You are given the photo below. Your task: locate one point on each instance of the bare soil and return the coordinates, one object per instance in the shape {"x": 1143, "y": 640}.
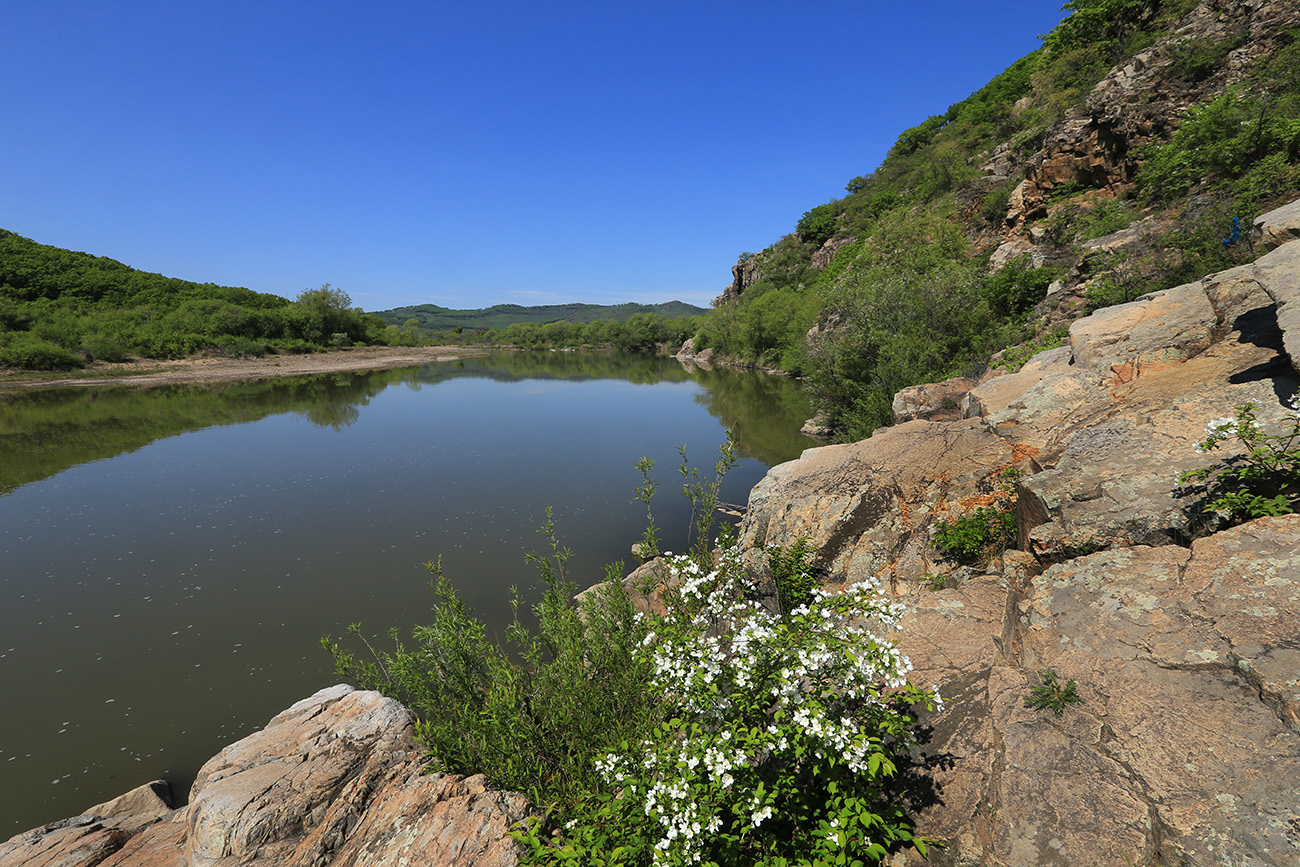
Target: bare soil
{"x": 220, "y": 369}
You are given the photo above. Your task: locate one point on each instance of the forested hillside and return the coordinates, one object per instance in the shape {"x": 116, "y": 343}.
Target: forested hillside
{"x": 1127, "y": 154}
{"x": 627, "y": 327}
{"x": 431, "y": 317}
{"x": 60, "y": 309}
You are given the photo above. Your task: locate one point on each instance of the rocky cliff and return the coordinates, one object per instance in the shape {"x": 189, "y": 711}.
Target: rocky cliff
{"x": 1184, "y": 642}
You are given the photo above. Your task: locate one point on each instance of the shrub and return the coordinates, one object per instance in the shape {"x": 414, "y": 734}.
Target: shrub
{"x": 1265, "y": 480}
{"x": 1053, "y": 694}
{"x": 32, "y": 353}
{"x": 104, "y": 348}
{"x": 1197, "y": 59}
{"x": 718, "y": 732}
{"x": 1018, "y": 286}
{"x": 241, "y": 346}
{"x": 792, "y": 573}
{"x": 780, "y": 740}
{"x": 973, "y": 537}
{"x": 534, "y": 715}
{"x": 818, "y": 225}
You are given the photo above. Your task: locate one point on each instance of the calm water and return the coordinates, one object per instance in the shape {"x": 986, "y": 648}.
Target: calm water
{"x": 169, "y": 558}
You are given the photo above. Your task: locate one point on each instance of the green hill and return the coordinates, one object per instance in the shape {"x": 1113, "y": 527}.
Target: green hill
{"x": 431, "y": 317}
{"x": 60, "y": 309}
{"x": 1110, "y": 162}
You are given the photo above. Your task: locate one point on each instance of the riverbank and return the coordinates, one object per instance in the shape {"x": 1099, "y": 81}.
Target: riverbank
{"x": 147, "y": 372}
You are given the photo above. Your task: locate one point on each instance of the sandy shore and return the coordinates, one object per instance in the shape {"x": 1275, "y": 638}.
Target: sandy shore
{"x": 150, "y": 372}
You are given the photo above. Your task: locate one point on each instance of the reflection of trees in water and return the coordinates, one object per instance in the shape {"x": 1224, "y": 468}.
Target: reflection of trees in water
{"x": 765, "y": 412}
{"x": 45, "y": 432}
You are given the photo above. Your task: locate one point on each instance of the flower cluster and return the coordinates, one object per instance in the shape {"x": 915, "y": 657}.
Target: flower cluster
{"x": 1262, "y": 480}
{"x": 782, "y": 726}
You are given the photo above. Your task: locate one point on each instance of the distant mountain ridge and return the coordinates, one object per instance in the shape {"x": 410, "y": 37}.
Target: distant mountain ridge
{"x": 435, "y": 318}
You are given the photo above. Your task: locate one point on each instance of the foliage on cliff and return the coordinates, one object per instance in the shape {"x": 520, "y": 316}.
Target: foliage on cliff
{"x": 893, "y": 285}
{"x": 60, "y": 308}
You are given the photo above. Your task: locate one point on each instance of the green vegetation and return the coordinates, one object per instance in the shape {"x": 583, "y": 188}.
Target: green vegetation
{"x": 625, "y": 327}
{"x": 532, "y": 715}
{"x": 1262, "y": 480}
{"x": 1053, "y": 694}
{"x": 902, "y": 292}
{"x": 792, "y": 573}
{"x": 974, "y": 537}
{"x": 60, "y": 309}
{"x": 656, "y": 738}
{"x": 1244, "y": 145}
{"x": 431, "y": 317}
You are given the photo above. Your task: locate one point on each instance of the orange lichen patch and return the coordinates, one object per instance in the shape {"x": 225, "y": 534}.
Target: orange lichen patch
{"x": 889, "y": 572}
{"x": 1126, "y": 372}
{"x": 904, "y": 510}
{"x": 976, "y": 500}
{"x": 1022, "y": 452}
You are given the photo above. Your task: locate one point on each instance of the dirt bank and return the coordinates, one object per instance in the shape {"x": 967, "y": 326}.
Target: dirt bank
{"x": 217, "y": 369}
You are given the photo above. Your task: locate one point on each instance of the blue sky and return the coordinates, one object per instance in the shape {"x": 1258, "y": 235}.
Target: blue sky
{"x": 468, "y": 153}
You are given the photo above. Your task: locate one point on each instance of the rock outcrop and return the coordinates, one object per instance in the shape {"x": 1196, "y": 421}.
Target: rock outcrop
{"x": 1183, "y": 638}
{"x": 1098, "y": 145}
{"x": 336, "y": 780}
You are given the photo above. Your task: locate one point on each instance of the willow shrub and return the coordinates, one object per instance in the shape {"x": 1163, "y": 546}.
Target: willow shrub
{"x": 533, "y": 714}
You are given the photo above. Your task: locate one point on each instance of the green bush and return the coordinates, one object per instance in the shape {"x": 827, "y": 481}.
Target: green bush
{"x": 1264, "y": 480}
{"x": 716, "y": 732}
{"x": 33, "y": 353}
{"x": 534, "y": 715}
{"x": 972, "y": 538}
{"x": 1053, "y": 694}
{"x": 1197, "y": 59}
{"x": 780, "y": 743}
{"x": 1018, "y": 286}
{"x": 241, "y": 347}
{"x": 792, "y": 573}
{"x": 817, "y": 225}
{"x": 104, "y": 348}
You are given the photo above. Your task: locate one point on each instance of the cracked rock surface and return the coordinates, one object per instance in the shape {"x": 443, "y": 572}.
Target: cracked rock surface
{"x": 1182, "y": 638}
{"x": 334, "y": 781}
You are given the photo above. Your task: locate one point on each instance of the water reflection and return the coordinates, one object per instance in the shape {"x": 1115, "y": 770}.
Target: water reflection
{"x": 169, "y": 557}
{"x": 43, "y": 433}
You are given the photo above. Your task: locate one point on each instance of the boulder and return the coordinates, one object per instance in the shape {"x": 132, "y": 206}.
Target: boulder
{"x": 1158, "y": 329}
{"x": 1112, "y": 454}
{"x": 1278, "y": 226}
{"x": 150, "y": 801}
{"x": 82, "y": 841}
{"x": 1279, "y": 274}
{"x": 817, "y": 428}
{"x": 937, "y": 401}
{"x": 88, "y": 839}
{"x": 994, "y": 396}
{"x": 336, "y": 779}
{"x": 868, "y": 507}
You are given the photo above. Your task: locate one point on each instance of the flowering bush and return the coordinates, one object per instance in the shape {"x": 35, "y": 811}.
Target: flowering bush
{"x": 1265, "y": 480}
{"x": 779, "y": 741}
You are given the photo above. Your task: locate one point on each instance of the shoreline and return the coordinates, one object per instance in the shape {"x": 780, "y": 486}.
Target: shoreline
{"x": 200, "y": 369}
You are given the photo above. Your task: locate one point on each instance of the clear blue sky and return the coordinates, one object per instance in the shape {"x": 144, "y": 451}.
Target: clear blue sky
{"x": 466, "y": 153}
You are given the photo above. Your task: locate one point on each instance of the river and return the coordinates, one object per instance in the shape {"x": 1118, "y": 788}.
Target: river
{"x": 170, "y": 557}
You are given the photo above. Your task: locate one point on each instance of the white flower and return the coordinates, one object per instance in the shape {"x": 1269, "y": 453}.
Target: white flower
{"x": 1225, "y": 424}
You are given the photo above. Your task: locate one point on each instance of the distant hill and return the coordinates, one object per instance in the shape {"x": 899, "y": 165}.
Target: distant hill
{"x": 434, "y": 318}
{"x": 60, "y": 309}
